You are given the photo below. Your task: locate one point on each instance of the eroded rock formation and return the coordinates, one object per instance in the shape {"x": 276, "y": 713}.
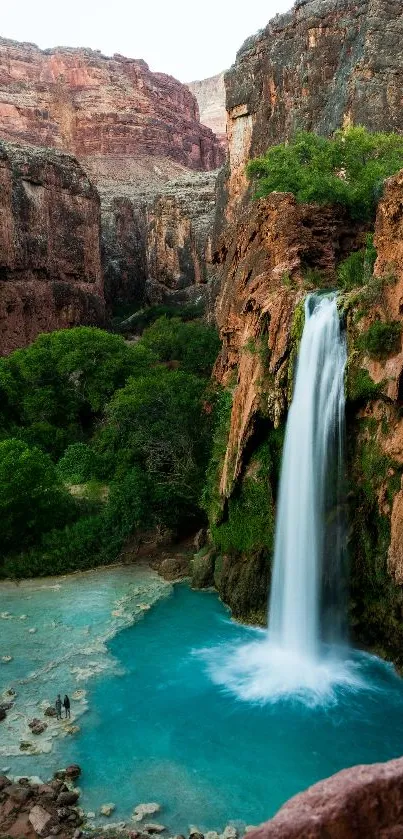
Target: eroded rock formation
{"x": 50, "y": 259}
{"x": 210, "y": 95}
{"x": 81, "y": 101}
{"x": 135, "y": 132}
{"x": 362, "y": 801}
{"x": 319, "y": 67}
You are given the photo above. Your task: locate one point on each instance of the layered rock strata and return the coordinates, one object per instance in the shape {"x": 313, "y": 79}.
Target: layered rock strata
{"x": 50, "y": 256}
{"x": 135, "y": 132}
{"x": 319, "y": 67}
{"x": 81, "y": 101}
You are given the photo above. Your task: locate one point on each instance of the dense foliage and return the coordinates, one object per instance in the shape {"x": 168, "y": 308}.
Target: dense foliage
{"x": 382, "y": 339}
{"x": 100, "y": 440}
{"x": 348, "y": 169}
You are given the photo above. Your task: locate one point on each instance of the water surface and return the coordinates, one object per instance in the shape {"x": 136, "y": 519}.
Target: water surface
{"x": 160, "y": 727}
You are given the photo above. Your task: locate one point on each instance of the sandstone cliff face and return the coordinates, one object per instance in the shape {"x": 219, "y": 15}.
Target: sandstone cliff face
{"x": 50, "y": 260}
{"x": 210, "y": 95}
{"x": 264, "y": 262}
{"x": 133, "y": 131}
{"x": 362, "y": 801}
{"x": 179, "y": 241}
{"x": 83, "y": 102}
{"x": 324, "y": 64}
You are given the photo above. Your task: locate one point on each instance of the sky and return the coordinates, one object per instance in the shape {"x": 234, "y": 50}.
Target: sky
{"x": 189, "y": 40}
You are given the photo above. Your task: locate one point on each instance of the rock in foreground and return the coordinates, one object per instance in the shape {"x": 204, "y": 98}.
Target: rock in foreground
{"x": 364, "y": 801}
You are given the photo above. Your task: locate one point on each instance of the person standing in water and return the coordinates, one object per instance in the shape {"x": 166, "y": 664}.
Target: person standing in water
{"x": 58, "y": 705}
{"x": 66, "y": 703}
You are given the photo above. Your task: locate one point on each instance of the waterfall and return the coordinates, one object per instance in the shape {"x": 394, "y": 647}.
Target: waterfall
{"x": 308, "y": 553}
{"x": 301, "y": 655}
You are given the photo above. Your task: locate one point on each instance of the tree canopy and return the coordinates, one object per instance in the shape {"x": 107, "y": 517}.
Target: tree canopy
{"x": 348, "y": 168}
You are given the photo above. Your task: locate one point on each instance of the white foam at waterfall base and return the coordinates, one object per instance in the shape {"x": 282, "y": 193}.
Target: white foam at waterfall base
{"x": 291, "y": 659}
{"x": 262, "y": 672}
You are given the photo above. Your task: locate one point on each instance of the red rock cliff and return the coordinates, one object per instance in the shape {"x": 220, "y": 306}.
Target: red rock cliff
{"x": 50, "y": 258}
{"x": 83, "y": 102}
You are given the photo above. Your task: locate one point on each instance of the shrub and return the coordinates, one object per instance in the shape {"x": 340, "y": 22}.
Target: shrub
{"x": 382, "y": 339}
{"x": 78, "y": 464}
{"x": 32, "y": 499}
{"x": 348, "y": 168}
{"x": 161, "y": 424}
{"x": 360, "y": 386}
{"x": 357, "y": 269}
{"x": 194, "y": 345}
{"x": 249, "y": 525}
{"x": 125, "y": 320}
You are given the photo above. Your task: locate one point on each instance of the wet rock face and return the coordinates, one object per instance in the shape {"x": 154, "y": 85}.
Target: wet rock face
{"x": 85, "y": 103}
{"x": 362, "y": 801}
{"x": 262, "y": 261}
{"x": 50, "y": 259}
{"x": 324, "y": 64}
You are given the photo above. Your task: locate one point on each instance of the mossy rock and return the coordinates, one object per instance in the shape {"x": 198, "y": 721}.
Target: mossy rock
{"x": 243, "y": 584}
{"x": 202, "y": 569}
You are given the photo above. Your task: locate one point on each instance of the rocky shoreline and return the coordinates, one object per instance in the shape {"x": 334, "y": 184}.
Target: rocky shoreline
{"x": 30, "y": 809}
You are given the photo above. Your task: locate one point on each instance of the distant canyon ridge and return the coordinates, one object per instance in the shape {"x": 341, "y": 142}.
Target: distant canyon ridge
{"x": 136, "y": 137}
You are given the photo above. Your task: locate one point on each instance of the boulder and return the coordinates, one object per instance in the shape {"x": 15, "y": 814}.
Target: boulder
{"x": 4, "y": 782}
{"x": 364, "y": 801}
{"x": 68, "y": 799}
{"x": 50, "y": 712}
{"x": 73, "y": 771}
{"x": 37, "y": 726}
{"x": 2, "y": 714}
{"x": 143, "y": 810}
{"x": 19, "y": 794}
{"x": 152, "y": 827}
{"x": 107, "y": 809}
{"x": 40, "y": 820}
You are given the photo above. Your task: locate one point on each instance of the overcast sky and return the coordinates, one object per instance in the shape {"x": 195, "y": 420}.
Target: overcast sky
{"x": 190, "y": 39}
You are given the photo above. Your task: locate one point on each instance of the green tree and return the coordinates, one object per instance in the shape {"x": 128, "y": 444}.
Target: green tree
{"x": 32, "y": 499}
{"x": 55, "y": 389}
{"x": 161, "y": 424}
{"x": 349, "y": 168}
{"x": 194, "y": 345}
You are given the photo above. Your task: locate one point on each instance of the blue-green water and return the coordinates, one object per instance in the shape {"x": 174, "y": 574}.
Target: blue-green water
{"x": 157, "y": 728}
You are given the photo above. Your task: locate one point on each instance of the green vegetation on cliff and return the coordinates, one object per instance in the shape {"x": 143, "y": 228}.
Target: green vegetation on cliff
{"x": 348, "y": 168}
{"x": 382, "y": 339}
{"x": 376, "y": 602}
{"x": 108, "y": 438}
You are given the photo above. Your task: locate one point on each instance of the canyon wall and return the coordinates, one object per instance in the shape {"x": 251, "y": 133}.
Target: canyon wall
{"x": 50, "y": 256}
{"x": 210, "y": 95}
{"x": 82, "y": 102}
{"x": 136, "y": 133}
{"x": 325, "y": 64}
{"x": 319, "y": 67}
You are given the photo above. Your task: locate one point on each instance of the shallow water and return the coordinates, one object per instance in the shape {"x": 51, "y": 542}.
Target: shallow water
{"x": 158, "y": 726}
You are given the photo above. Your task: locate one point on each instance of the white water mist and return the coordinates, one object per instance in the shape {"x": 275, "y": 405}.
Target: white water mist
{"x": 309, "y": 488}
